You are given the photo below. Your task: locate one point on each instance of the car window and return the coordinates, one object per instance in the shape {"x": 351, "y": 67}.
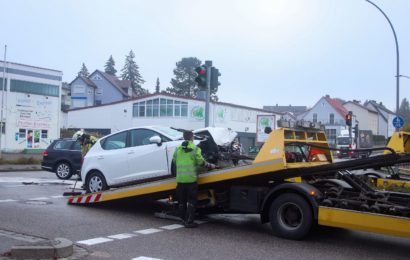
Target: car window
{"x": 141, "y": 136}
{"x": 77, "y": 146}
{"x": 116, "y": 141}
{"x": 63, "y": 145}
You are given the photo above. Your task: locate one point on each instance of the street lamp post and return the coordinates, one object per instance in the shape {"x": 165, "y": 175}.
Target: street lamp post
{"x": 397, "y": 59}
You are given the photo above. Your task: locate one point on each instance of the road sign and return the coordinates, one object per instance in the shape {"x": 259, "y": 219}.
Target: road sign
{"x": 398, "y": 122}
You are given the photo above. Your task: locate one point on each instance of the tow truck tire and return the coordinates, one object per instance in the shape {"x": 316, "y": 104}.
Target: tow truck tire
{"x": 291, "y": 216}
{"x": 63, "y": 171}
{"x": 95, "y": 182}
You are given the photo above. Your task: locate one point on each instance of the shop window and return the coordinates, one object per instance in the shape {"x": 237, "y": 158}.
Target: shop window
{"x": 22, "y": 133}
{"x": 44, "y": 134}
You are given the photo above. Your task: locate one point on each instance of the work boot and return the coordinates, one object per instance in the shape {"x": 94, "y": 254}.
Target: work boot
{"x": 190, "y": 224}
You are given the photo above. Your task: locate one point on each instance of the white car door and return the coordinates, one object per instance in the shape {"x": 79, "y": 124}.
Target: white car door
{"x": 112, "y": 159}
{"x": 146, "y": 160}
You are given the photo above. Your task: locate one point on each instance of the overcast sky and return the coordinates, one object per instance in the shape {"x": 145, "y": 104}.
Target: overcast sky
{"x": 268, "y": 51}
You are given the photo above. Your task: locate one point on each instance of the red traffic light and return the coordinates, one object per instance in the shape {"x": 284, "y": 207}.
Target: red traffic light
{"x": 201, "y": 72}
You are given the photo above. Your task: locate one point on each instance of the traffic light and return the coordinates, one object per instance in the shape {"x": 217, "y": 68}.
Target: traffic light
{"x": 214, "y": 79}
{"x": 349, "y": 119}
{"x": 356, "y": 130}
{"x": 201, "y": 77}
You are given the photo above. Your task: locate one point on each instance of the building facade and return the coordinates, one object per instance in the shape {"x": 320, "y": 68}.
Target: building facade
{"x": 366, "y": 118}
{"x": 385, "y": 118}
{"x": 30, "y": 105}
{"x": 330, "y": 113}
{"x": 168, "y": 110}
{"x": 97, "y": 89}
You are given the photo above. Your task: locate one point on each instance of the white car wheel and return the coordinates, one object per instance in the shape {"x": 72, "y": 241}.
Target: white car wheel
{"x": 96, "y": 183}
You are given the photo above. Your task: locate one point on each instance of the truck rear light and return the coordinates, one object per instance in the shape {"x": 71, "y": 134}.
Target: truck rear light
{"x": 45, "y": 153}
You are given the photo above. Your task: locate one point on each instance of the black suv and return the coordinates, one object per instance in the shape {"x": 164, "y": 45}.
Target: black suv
{"x": 63, "y": 156}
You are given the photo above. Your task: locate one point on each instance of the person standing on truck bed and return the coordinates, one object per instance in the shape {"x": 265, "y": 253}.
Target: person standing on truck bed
{"x": 187, "y": 158}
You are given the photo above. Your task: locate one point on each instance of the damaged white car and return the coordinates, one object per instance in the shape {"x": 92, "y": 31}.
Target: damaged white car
{"x": 145, "y": 154}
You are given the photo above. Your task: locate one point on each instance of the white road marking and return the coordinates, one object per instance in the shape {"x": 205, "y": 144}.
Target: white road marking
{"x": 40, "y": 198}
{"x": 145, "y": 258}
{"x": 148, "y": 231}
{"x": 8, "y": 200}
{"x": 122, "y": 236}
{"x": 94, "y": 241}
{"x": 57, "y": 196}
{"x": 172, "y": 227}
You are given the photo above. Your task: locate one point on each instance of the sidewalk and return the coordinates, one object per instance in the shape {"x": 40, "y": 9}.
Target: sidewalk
{"x": 19, "y": 167}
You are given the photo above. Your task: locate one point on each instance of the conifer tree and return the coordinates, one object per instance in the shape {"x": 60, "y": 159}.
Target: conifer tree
{"x": 130, "y": 72}
{"x": 84, "y": 71}
{"x": 110, "y": 66}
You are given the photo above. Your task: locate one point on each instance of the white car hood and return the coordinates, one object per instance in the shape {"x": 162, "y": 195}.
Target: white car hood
{"x": 222, "y": 136}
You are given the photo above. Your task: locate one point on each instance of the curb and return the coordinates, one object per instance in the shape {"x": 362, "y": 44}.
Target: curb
{"x": 57, "y": 248}
{"x": 20, "y": 167}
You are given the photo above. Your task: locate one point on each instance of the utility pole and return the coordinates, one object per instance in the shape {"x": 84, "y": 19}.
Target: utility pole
{"x": 208, "y": 65}
{"x": 397, "y": 60}
{"x": 2, "y": 99}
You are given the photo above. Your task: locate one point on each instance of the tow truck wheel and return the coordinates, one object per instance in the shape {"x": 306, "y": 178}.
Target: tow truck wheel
{"x": 291, "y": 216}
{"x": 63, "y": 171}
{"x": 95, "y": 182}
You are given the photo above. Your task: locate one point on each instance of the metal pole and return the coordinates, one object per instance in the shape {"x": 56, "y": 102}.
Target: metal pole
{"x": 208, "y": 65}
{"x": 397, "y": 60}
{"x": 2, "y": 99}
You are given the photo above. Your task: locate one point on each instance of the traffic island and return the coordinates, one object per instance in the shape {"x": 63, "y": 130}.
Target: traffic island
{"x": 57, "y": 248}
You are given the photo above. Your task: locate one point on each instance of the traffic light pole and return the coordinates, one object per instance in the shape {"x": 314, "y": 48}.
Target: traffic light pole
{"x": 208, "y": 65}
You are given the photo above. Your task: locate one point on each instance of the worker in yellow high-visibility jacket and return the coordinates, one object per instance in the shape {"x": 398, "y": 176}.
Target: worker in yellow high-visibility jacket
{"x": 188, "y": 158}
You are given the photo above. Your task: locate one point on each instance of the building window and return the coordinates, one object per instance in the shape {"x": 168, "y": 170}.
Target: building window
{"x": 44, "y": 134}
{"x": 34, "y": 88}
{"x": 331, "y": 135}
{"x": 98, "y": 102}
{"x": 160, "y": 107}
{"x": 1, "y": 83}
{"x": 332, "y": 119}
{"x": 90, "y": 91}
{"x": 22, "y": 133}
{"x": 314, "y": 118}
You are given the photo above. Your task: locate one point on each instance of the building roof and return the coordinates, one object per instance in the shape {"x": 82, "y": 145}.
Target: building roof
{"x": 175, "y": 96}
{"x": 283, "y": 109}
{"x": 336, "y": 105}
{"x": 361, "y": 106}
{"x": 86, "y": 81}
{"x": 379, "y": 106}
{"x": 119, "y": 84}
{"x": 20, "y": 64}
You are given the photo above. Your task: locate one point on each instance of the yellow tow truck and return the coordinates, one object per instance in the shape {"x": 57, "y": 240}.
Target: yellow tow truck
{"x": 294, "y": 183}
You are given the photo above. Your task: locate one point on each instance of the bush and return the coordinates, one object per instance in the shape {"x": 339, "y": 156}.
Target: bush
{"x": 22, "y": 160}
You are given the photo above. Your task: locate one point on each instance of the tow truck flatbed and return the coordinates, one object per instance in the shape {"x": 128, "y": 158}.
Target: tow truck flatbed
{"x": 273, "y": 183}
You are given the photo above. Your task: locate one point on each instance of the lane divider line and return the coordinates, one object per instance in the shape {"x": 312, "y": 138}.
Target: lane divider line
{"x": 172, "y": 227}
{"x": 145, "y": 258}
{"x": 122, "y": 236}
{"x": 94, "y": 241}
{"x": 148, "y": 231}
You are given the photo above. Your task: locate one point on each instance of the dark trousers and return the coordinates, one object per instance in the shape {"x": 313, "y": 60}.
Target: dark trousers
{"x": 186, "y": 194}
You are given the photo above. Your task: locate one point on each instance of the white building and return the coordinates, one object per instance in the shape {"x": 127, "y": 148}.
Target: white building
{"x": 31, "y": 106}
{"x": 366, "y": 118}
{"x": 168, "y": 110}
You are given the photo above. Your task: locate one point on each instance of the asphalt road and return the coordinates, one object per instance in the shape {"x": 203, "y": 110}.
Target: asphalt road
{"x": 31, "y": 207}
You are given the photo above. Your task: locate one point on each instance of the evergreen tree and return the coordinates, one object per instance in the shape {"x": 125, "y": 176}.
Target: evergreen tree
{"x": 157, "y": 86}
{"x": 109, "y": 66}
{"x": 404, "y": 110}
{"x": 130, "y": 72}
{"x": 184, "y": 82}
{"x": 84, "y": 71}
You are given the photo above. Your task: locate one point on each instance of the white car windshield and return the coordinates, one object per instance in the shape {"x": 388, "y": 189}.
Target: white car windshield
{"x": 173, "y": 134}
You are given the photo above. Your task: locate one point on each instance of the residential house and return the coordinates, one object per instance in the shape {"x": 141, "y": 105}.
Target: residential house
{"x": 385, "y": 118}
{"x": 97, "y": 89}
{"x": 65, "y": 96}
{"x": 366, "y": 118}
{"x": 289, "y": 113}
{"x": 330, "y": 113}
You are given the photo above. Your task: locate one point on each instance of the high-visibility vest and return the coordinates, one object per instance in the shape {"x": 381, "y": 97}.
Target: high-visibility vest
{"x": 187, "y": 159}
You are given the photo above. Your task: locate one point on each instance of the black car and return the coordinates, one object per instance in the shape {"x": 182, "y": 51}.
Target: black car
{"x": 63, "y": 156}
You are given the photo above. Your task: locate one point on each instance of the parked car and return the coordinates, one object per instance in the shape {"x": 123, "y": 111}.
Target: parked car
{"x": 145, "y": 153}
{"x": 63, "y": 156}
